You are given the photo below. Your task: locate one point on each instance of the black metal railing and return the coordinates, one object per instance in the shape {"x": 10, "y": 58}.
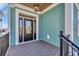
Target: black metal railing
{"x": 4, "y": 43}
{"x": 67, "y": 47}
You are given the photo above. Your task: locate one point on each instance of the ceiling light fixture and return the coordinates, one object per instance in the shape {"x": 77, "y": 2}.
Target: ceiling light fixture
{"x": 36, "y": 7}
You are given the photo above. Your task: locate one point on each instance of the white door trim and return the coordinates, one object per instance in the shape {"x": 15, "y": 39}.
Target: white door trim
{"x": 17, "y": 22}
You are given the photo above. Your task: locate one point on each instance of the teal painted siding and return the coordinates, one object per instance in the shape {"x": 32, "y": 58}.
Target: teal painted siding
{"x": 51, "y": 23}
{"x": 12, "y": 26}
{"x": 75, "y": 25}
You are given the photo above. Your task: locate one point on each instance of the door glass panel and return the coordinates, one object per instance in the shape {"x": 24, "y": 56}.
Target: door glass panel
{"x": 28, "y": 30}
{"x": 28, "y": 27}
{"x": 20, "y": 29}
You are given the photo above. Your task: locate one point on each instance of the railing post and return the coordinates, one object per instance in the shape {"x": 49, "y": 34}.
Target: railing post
{"x": 61, "y": 45}
{"x": 78, "y": 53}
{"x": 67, "y": 46}
{"x": 72, "y": 52}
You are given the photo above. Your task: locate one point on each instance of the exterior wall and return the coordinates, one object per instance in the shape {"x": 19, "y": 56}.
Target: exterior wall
{"x": 51, "y": 23}
{"x": 75, "y": 25}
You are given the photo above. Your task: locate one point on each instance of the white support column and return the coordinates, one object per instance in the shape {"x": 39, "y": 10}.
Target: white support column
{"x": 69, "y": 21}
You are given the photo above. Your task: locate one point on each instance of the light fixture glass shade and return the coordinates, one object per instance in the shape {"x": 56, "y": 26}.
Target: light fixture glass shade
{"x": 36, "y": 9}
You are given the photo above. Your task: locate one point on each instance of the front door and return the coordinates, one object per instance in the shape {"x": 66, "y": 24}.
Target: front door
{"x": 25, "y": 29}
{"x": 28, "y": 29}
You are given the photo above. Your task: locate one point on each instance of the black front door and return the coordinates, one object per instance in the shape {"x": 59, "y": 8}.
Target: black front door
{"x": 25, "y": 29}
{"x": 28, "y": 29}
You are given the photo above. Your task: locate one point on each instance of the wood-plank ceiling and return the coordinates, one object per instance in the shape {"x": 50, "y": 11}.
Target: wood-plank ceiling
{"x": 41, "y": 6}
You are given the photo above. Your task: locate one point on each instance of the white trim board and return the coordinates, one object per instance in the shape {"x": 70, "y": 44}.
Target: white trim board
{"x": 17, "y": 22}
{"x": 31, "y": 10}
{"x": 69, "y": 20}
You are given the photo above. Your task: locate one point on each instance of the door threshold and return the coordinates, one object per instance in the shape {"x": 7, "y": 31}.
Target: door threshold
{"x": 27, "y": 42}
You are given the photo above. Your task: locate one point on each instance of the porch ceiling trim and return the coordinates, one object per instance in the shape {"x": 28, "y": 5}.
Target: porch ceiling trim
{"x": 49, "y": 7}
{"x": 31, "y": 10}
